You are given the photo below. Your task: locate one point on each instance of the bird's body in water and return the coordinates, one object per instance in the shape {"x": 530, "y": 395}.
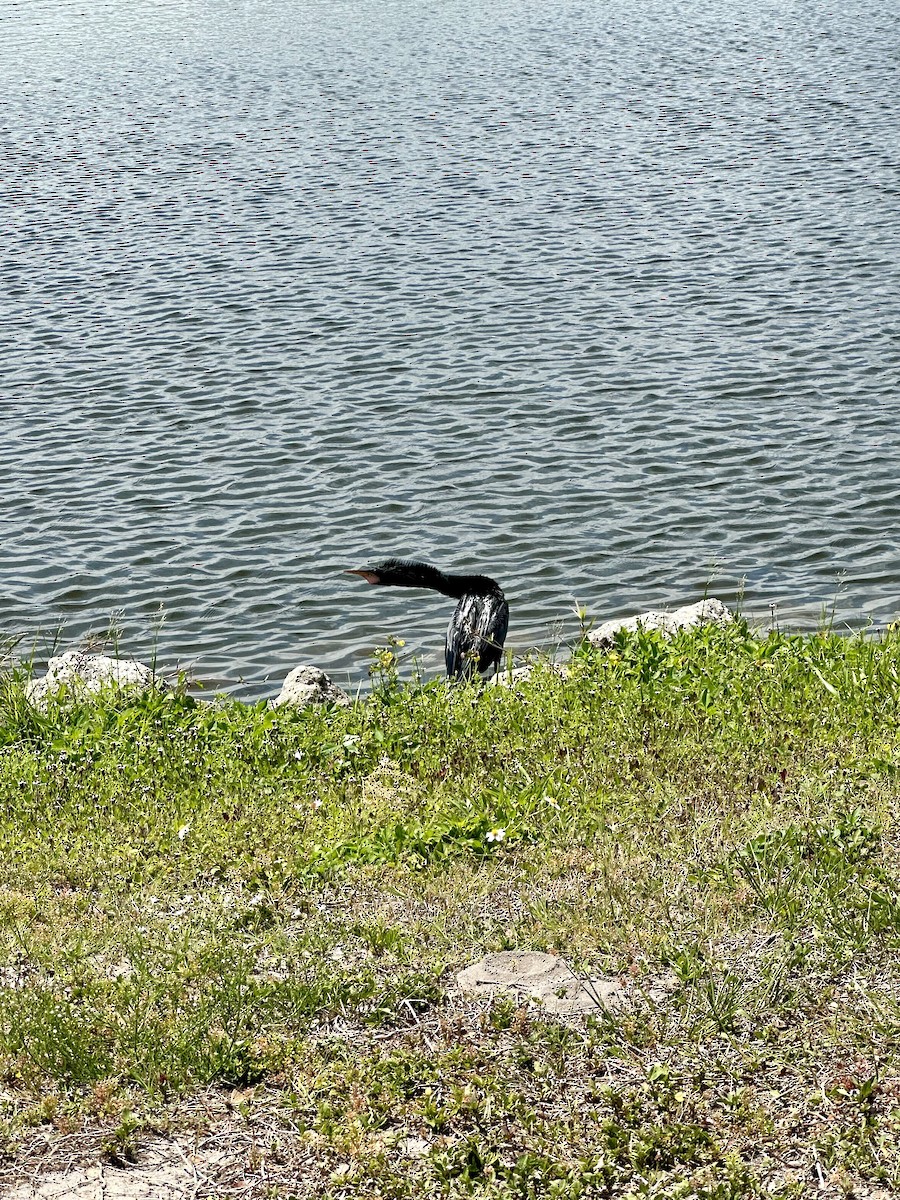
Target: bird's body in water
{"x": 477, "y": 629}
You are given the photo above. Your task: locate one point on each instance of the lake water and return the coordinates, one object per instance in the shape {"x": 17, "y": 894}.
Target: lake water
{"x": 602, "y": 300}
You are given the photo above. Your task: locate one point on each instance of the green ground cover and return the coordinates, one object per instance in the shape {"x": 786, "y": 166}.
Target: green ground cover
{"x": 274, "y": 903}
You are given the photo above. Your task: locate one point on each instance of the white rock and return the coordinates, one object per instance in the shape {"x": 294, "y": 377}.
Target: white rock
{"x": 704, "y": 612}
{"x": 84, "y": 673}
{"x": 542, "y": 977}
{"x": 507, "y": 678}
{"x": 308, "y": 685}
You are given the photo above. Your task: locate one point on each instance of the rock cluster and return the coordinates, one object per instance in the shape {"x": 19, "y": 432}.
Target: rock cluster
{"x": 82, "y": 673}
{"x": 308, "y": 685}
{"x": 668, "y": 623}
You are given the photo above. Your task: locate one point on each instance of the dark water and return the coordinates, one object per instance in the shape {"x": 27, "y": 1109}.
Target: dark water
{"x": 600, "y": 299}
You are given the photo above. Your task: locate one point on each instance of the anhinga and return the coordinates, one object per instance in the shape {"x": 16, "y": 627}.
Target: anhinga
{"x": 477, "y": 629}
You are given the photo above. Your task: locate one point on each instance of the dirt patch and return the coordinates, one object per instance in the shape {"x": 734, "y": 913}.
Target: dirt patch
{"x": 210, "y": 1150}
{"x": 166, "y": 1170}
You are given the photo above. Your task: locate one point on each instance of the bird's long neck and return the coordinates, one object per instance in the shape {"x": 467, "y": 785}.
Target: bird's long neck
{"x": 469, "y": 585}
{"x": 406, "y": 573}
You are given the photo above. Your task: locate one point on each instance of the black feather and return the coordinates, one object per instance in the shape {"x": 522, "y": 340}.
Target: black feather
{"x": 476, "y": 634}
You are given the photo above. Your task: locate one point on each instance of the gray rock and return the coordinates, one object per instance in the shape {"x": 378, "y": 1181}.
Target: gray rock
{"x": 308, "y": 685}
{"x": 542, "y": 977}
{"x": 704, "y": 612}
{"x": 83, "y": 673}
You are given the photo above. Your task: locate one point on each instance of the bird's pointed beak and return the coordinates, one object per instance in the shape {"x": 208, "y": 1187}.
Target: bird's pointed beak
{"x": 368, "y": 576}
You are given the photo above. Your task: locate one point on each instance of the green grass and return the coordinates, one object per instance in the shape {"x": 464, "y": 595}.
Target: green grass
{"x": 218, "y": 894}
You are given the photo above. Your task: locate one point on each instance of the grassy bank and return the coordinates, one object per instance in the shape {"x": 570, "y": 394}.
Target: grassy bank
{"x": 272, "y": 904}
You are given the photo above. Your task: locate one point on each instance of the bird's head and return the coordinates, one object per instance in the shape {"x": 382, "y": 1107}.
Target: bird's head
{"x": 399, "y": 572}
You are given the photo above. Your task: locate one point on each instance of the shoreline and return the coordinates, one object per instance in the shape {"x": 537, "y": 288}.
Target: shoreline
{"x": 362, "y": 688}
{"x": 795, "y": 619}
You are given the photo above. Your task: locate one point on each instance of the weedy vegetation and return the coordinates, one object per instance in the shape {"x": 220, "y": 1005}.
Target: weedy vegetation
{"x": 270, "y": 905}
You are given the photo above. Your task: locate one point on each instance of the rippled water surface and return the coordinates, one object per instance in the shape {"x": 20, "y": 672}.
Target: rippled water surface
{"x": 600, "y": 299}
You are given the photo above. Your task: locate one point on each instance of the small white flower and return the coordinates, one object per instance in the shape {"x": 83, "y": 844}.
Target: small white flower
{"x": 495, "y": 835}
{"x": 298, "y": 754}
{"x": 183, "y": 832}
{"x": 317, "y": 803}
